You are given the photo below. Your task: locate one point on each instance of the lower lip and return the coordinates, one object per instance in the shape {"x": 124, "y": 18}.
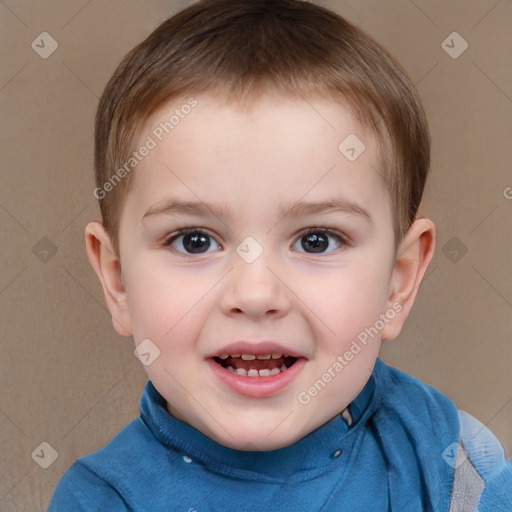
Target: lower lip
{"x": 257, "y": 387}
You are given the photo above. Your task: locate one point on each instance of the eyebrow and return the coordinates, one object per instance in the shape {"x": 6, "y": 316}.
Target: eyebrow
{"x": 300, "y": 208}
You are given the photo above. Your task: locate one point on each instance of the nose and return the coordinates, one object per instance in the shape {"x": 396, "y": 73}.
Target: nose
{"x": 256, "y": 290}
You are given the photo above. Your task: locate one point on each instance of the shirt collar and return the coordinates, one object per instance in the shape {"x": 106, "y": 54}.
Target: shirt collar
{"x": 313, "y": 451}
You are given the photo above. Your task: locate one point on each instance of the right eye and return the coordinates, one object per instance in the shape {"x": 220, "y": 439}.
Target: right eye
{"x": 190, "y": 241}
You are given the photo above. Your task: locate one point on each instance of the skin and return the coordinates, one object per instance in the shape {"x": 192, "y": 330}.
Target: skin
{"x": 277, "y": 149}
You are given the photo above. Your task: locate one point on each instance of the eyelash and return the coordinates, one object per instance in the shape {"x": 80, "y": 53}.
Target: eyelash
{"x": 316, "y": 230}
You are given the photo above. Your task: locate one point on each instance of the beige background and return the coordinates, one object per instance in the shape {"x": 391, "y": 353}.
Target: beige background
{"x": 68, "y": 379}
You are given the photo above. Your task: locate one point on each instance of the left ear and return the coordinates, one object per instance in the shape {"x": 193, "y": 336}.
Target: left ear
{"x": 412, "y": 260}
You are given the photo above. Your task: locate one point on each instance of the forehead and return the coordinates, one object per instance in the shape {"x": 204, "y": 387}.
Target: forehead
{"x": 273, "y": 150}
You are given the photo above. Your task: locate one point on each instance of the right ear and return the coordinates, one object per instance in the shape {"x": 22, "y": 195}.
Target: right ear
{"x": 107, "y": 267}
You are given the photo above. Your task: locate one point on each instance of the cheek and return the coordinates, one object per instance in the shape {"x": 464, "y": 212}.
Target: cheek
{"x": 342, "y": 303}
{"x": 164, "y": 302}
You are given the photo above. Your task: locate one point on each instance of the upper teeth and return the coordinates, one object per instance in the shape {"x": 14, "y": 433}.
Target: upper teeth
{"x": 250, "y": 357}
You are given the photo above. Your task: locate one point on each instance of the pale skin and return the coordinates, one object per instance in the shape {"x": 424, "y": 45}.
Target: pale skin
{"x": 280, "y": 150}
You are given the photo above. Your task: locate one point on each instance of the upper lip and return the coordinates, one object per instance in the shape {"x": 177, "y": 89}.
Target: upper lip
{"x": 256, "y": 348}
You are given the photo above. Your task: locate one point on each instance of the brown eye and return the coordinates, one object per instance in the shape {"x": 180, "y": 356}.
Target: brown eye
{"x": 317, "y": 241}
{"x": 190, "y": 241}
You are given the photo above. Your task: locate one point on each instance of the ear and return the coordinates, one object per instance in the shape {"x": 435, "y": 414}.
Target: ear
{"x": 108, "y": 269}
{"x": 412, "y": 260}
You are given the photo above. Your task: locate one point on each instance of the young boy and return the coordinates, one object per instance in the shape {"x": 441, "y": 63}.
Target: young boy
{"x": 259, "y": 167}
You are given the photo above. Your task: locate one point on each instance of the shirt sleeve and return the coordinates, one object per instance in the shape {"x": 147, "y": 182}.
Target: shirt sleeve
{"x": 487, "y": 457}
{"x": 81, "y": 490}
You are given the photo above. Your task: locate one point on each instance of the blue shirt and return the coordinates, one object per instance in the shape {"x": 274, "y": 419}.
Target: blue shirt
{"x": 402, "y": 451}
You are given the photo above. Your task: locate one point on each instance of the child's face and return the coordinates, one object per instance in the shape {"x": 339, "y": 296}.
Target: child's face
{"x": 311, "y": 296}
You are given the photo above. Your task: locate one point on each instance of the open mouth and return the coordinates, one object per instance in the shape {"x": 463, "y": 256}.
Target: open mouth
{"x": 252, "y": 365}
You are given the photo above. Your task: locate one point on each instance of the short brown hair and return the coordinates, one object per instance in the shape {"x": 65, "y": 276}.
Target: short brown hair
{"x": 241, "y": 48}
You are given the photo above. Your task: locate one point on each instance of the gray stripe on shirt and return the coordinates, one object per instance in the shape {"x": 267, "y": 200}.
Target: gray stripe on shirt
{"x": 467, "y": 484}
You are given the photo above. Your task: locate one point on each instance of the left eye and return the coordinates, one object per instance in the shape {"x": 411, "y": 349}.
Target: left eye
{"x": 317, "y": 240}
{"x": 191, "y": 240}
